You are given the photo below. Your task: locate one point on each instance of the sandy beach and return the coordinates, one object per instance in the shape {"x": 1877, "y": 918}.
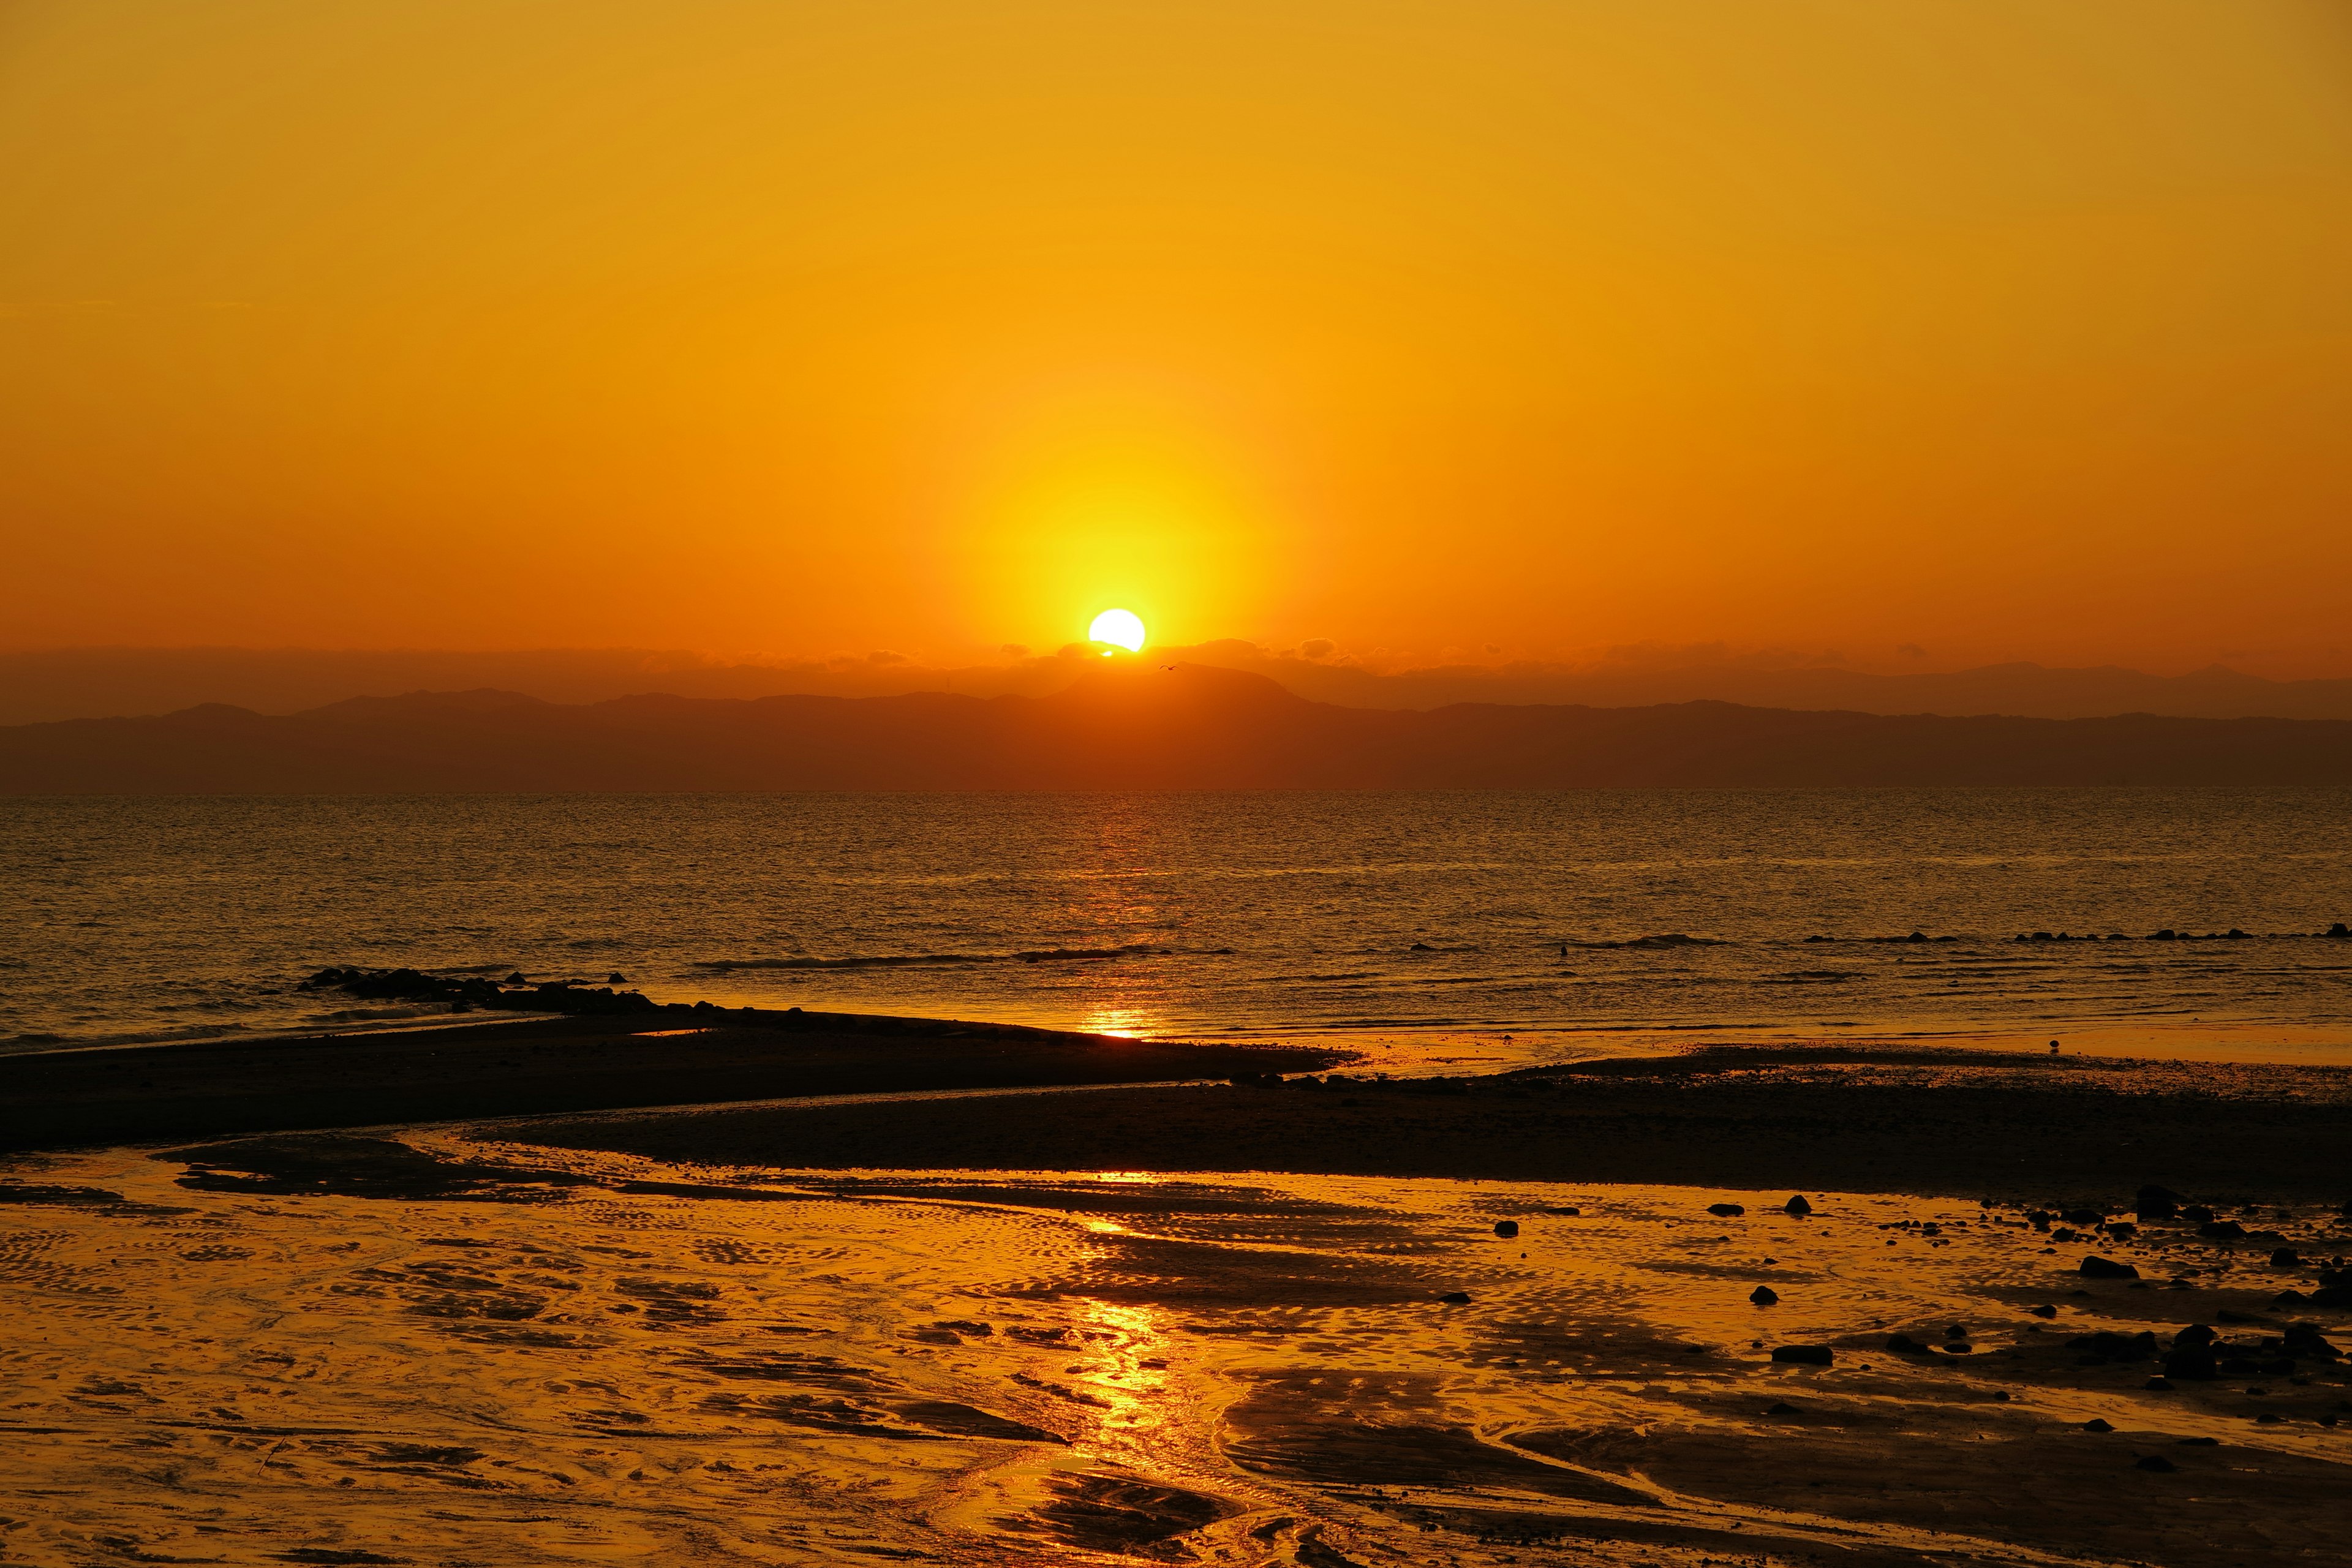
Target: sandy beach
{"x": 1562, "y": 1315}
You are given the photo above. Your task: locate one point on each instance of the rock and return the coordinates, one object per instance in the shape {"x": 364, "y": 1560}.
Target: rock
{"x": 2196, "y": 1214}
{"x": 2121, "y": 1229}
{"x": 1764, "y": 1295}
{"x": 2191, "y": 1363}
{"x": 2157, "y": 1463}
{"x": 2044, "y": 1311}
{"x": 2200, "y": 1443}
{"x": 2220, "y": 1230}
{"x": 2285, "y": 1258}
{"x": 1904, "y": 1344}
{"x": 1783, "y": 1408}
{"x": 1798, "y": 1205}
{"x": 1568, "y": 1213}
{"x": 1956, "y": 1331}
{"x": 1455, "y": 1297}
{"x": 616, "y": 978}
{"x": 1506, "y": 1229}
{"x": 2305, "y": 1339}
{"x": 2097, "y": 1267}
{"x": 2096, "y": 1425}
{"x": 1727, "y": 1210}
{"x": 2339, "y": 931}
{"x": 2157, "y": 1385}
{"x": 516, "y": 979}
{"x": 1803, "y": 1355}
{"x": 2157, "y": 1202}
{"x": 2039, "y": 1218}
{"x": 2195, "y": 1334}
{"x": 2083, "y": 1216}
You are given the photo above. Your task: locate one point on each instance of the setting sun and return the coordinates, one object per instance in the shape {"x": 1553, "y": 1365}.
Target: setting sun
{"x": 1120, "y": 628}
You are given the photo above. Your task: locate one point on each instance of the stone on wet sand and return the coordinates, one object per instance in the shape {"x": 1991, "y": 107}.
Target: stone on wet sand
{"x": 1506, "y": 1229}
{"x": 1803, "y": 1355}
{"x": 1726, "y": 1211}
{"x": 1764, "y": 1295}
{"x": 2097, "y": 1267}
{"x": 1797, "y": 1206}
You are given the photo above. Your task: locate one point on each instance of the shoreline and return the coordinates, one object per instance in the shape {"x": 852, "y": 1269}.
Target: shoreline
{"x": 2015, "y": 1129}
{"x": 708, "y": 1085}
{"x": 539, "y": 1066}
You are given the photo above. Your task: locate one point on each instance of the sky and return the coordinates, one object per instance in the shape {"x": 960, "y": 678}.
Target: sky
{"x": 1910, "y": 335}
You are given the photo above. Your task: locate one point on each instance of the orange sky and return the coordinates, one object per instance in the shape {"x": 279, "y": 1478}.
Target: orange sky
{"x": 2004, "y": 330}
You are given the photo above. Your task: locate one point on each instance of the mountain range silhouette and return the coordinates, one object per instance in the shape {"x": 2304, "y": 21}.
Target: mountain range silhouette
{"x": 1134, "y": 725}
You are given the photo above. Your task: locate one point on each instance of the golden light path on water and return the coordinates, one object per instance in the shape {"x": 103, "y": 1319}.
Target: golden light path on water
{"x": 348, "y": 1350}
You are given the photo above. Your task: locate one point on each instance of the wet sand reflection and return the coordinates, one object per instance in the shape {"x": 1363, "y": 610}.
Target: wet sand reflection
{"x": 338, "y": 1350}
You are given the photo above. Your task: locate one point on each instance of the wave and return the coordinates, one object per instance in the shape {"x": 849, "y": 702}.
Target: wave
{"x": 31, "y": 1041}
{"x": 893, "y": 961}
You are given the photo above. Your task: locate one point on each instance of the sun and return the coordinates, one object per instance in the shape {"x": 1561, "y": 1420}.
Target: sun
{"x": 1120, "y": 628}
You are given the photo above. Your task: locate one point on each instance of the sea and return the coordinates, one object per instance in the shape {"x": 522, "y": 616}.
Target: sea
{"x": 1464, "y": 931}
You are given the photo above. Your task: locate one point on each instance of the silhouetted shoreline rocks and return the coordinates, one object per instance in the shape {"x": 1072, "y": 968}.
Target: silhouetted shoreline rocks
{"x": 466, "y": 995}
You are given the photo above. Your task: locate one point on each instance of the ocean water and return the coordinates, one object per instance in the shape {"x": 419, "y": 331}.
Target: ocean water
{"x": 1427, "y": 927}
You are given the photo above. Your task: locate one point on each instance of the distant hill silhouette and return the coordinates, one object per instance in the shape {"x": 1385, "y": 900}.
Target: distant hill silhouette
{"x": 38, "y": 685}
{"x": 1137, "y": 725}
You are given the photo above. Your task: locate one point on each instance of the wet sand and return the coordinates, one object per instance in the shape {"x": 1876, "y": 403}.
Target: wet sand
{"x": 677, "y": 1056}
{"x": 1267, "y": 1323}
{"x": 2019, "y": 1128}
{"x": 442, "y": 1350}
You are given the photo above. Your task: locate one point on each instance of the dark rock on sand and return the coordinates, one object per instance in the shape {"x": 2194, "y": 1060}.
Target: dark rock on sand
{"x": 1455, "y": 1297}
{"x": 2285, "y": 1258}
{"x": 1803, "y": 1355}
{"x": 1764, "y": 1295}
{"x": 2304, "y": 1339}
{"x": 2044, "y": 1311}
{"x": 1798, "y": 1205}
{"x": 1904, "y": 1344}
{"x": 2097, "y": 1267}
{"x": 2191, "y": 1364}
{"x": 2157, "y": 1463}
{"x": 2220, "y": 1230}
{"x": 1726, "y": 1211}
{"x": 1783, "y": 1408}
{"x": 2096, "y": 1425}
{"x": 2083, "y": 1216}
{"x": 1506, "y": 1229}
{"x": 2157, "y": 1202}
